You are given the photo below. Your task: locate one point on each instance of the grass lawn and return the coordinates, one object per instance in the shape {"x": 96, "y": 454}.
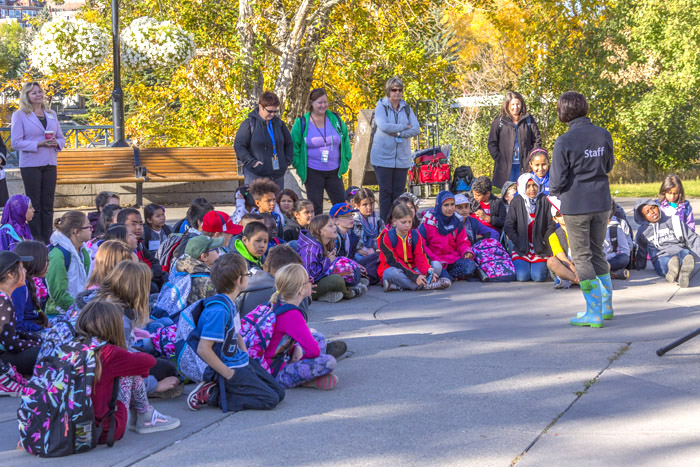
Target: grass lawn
{"x": 651, "y": 190}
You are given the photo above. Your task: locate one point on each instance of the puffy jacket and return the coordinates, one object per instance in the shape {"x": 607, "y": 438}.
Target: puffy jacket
{"x": 314, "y": 260}
{"x": 386, "y": 152}
{"x": 683, "y": 210}
{"x": 502, "y": 142}
{"x": 444, "y": 248}
{"x": 301, "y": 151}
{"x": 661, "y": 238}
{"x": 407, "y": 254}
{"x": 256, "y": 145}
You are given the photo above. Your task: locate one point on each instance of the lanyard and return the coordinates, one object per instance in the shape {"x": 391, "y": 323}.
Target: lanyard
{"x": 323, "y": 135}
{"x": 272, "y": 137}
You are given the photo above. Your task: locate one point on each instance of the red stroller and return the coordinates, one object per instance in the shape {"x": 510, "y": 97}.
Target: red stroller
{"x": 431, "y": 165}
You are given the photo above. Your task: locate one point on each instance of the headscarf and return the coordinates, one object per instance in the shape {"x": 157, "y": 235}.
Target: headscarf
{"x": 15, "y": 214}
{"x": 530, "y": 204}
{"x": 446, "y": 225}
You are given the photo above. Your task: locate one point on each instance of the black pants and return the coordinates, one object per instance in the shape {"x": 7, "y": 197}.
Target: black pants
{"x": 251, "y": 387}
{"x": 4, "y": 195}
{"x": 24, "y": 361}
{"x": 392, "y": 184}
{"x": 319, "y": 180}
{"x": 40, "y": 187}
{"x": 250, "y": 177}
{"x": 162, "y": 369}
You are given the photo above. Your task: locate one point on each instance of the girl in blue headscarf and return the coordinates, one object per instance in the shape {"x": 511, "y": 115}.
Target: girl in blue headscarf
{"x": 446, "y": 240}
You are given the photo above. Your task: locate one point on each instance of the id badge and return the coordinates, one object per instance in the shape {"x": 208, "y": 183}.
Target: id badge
{"x": 275, "y": 164}
{"x": 324, "y": 156}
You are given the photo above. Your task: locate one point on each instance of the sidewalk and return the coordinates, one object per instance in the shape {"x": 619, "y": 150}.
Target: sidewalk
{"x": 482, "y": 374}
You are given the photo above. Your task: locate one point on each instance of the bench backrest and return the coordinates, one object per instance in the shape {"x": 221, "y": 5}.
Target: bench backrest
{"x": 96, "y": 164}
{"x": 190, "y": 164}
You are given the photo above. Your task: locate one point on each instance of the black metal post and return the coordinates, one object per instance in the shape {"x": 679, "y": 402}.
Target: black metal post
{"x": 117, "y": 93}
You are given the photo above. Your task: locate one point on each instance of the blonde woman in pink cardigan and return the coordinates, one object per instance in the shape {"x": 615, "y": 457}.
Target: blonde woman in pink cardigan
{"x": 37, "y": 135}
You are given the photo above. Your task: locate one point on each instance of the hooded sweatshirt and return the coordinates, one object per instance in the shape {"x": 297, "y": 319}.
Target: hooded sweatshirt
{"x": 64, "y": 285}
{"x": 661, "y": 238}
{"x": 253, "y": 261}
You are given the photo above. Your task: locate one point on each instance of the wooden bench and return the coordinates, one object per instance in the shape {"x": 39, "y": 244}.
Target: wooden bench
{"x": 189, "y": 164}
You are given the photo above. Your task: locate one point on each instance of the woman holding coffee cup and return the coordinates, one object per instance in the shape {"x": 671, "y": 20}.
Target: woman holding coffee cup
{"x": 37, "y": 136}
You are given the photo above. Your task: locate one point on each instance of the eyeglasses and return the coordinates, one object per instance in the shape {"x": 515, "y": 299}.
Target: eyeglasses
{"x": 276, "y": 111}
{"x": 86, "y": 227}
{"x": 248, "y": 274}
{"x": 396, "y": 89}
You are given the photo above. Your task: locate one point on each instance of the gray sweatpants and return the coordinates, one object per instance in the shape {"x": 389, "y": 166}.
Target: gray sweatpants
{"x": 586, "y": 234}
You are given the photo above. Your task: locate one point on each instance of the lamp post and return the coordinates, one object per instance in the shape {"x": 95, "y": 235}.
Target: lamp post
{"x": 117, "y": 93}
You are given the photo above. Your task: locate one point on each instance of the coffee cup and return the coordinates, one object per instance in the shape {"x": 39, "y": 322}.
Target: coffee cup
{"x": 48, "y": 134}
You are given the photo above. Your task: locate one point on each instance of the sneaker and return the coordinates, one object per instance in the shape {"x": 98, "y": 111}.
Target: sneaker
{"x": 172, "y": 393}
{"x": 331, "y": 297}
{"x": 154, "y": 421}
{"x": 444, "y": 282}
{"x": 686, "y": 271}
{"x": 324, "y": 382}
{"x": 336, "y": 348}
{"x": 674, "y": 267}
{"x": 9, "y": 387}
{"x": 389, "y": 287}
{"x": 561, "y": 283}
{"x": 365, "y": 282}
{"x": 200, "y": 395}
{"x": 359, "y": 289}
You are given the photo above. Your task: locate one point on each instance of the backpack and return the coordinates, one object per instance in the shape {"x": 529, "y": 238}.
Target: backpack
{"x": 462, "y": 179}
{"x": 257, "y": 328}
{"x": 164, "y": 255}
{"x": 66, "y": 254}
{"x": 494, "y": 261}
{"x": 56, "y": 416}
{"x": 394, "y": 238}
{"x": 189, "y": 363}
{"x": 429, "y": 166}
{"x": 302, "y": 123}
{"x": 60, "y": 333}
{"x": 173, "y": 296}
{"x": 164, "y": 339}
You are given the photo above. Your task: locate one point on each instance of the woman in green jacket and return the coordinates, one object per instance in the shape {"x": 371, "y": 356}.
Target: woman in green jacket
{"x": 321, "y": 151}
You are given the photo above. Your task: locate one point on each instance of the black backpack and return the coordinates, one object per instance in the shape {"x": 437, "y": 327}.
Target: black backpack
{"x": 462, "y": 174}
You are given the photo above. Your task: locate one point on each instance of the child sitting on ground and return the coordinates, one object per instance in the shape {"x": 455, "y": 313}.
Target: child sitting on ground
{"x": 446, "y": 240}
{"x": 286, "y": 199}
{"x": 347, "y": 241}
{"x": 295, "y": 355}
{"x": 200, "y": 255}
{"x": 271, "y": 224}
{"x": 667, "y": 240}
{"x": 103, "y": 198}
{"x": 509, "y": 190}
{"x": 103, "y": 320}
{"x": 317, "y": 251}
{"x": 560, "y": 263}
{"x": 16, "y": 214}
{"x": 253, "y": 244}
{"x": 491, "y": 212}
{"x": 218, "y": 224}
{"x": 263, "y": 191}
{"x": 155, "y": 230}
{"x": 539, "y": 166}
{"x": 245, "y": 204}
{"x": 133, "y": 221}
{"x": 29, "y": 300}
{"x": 367, "y": 224}
{"x": 618, "y": 246}
{"x": 403, "y": 264}
{"x": 672, "y": 197}
{"x": 350, "y": 193}
{"x": 529, "y": 226}
{"x": 214, "y": 353}
{"x": 302, "y": 214}
{"x": 198, "y": 208}
{"x": 475, "y": 230}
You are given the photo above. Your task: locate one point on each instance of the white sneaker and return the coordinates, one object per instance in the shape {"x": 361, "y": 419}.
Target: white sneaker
{"x": 154, "y": 421}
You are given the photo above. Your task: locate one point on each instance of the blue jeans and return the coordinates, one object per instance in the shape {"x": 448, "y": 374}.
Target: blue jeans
{"x": 461, "y": 269}
{"x": 514, "y": 172}
{"x": 619, "y": 262}
{"x": 525, "y": 271}
{"x": 397, "y": 277}
{"x": 661, "y": 262}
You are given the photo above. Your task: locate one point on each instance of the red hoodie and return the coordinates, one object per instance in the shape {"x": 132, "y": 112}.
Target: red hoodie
{"x": 406, "y": 254}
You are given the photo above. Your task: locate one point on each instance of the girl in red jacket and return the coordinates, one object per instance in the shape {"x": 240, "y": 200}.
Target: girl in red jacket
{"x": 403, "y": 263}
{"x": 446, "y": 239}
{"x": 104, "y": 320}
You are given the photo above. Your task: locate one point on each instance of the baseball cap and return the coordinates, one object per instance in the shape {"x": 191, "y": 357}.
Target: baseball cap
{"x": 350, "y": 192}
{"x": 341, "y": 209}
{"x": 461, "y": 199}
{"x": 9, "y": 259}
{"x": 200, "y": 244}
{"x": 218, "y": 221}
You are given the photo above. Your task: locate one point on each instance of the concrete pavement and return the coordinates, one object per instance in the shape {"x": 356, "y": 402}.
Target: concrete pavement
{"x": 481, "y": 374}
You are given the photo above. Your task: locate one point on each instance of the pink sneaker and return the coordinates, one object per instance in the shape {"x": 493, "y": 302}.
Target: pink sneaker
{"x": 9, "y": 387}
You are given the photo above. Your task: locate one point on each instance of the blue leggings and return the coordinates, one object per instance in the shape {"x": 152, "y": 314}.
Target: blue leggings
{"x": 525, "y": 271}
{"x": 461, "y": 269}
{"x": 308, "y": 369}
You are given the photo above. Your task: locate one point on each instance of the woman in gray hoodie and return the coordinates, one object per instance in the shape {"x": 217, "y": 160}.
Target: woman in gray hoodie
{"x": 391, "y": 147}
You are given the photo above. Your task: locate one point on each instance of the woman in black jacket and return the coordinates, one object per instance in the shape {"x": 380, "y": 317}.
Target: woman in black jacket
{"x": 263, "y": 143}
{"x": 513, "y": 135}
{"x": 528, "y": 225}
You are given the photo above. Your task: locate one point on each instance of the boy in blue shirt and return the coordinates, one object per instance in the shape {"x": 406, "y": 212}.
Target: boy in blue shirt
{"x": 230, "y": 380}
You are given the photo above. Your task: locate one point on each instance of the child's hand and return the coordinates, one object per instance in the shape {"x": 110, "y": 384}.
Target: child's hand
{"x": 435, "y": 278}
{"x": 468, "y": 255}
{"x": 422, "y": 281}
{"x": 141, "y": 334}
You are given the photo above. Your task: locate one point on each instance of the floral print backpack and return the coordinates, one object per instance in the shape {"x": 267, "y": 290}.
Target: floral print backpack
{"x": 493, "y": 260}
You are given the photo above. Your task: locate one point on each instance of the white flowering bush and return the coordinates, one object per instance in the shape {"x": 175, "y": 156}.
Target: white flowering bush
{"x": 148, "y": 43}
{"x": 66, "y": 44}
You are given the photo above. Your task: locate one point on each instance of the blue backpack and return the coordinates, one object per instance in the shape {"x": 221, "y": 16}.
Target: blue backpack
{"x": 173, "y": 296}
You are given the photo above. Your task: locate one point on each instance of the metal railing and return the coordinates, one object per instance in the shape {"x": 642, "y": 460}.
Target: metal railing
{"x": 77, "y": 136}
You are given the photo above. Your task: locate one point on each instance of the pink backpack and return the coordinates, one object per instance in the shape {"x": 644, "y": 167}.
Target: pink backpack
{"x": 493, "y": 260}
{"x": 257, "y": 328}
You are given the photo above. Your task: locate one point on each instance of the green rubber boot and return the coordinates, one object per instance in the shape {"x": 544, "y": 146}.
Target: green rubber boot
{"x": 594, "y": 306}
{"x": 606, "y": 289}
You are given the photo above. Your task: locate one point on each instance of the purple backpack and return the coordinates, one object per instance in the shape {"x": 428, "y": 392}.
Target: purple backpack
{"x": 493, "y": 261}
